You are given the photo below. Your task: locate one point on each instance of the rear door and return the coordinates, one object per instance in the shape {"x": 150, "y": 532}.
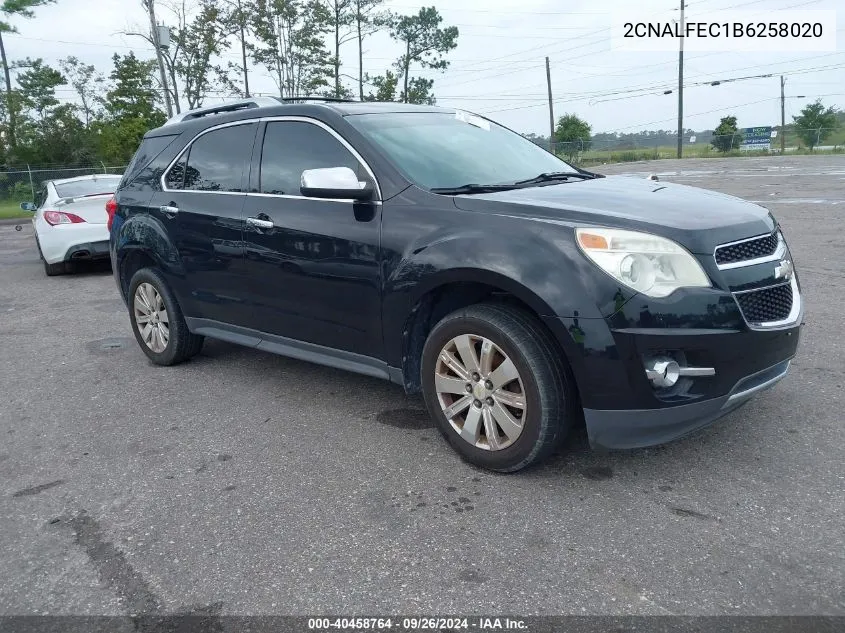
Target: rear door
{"x": 201, "y": 207}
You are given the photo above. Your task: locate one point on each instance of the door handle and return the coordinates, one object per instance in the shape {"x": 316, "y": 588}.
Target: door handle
{"x": 259, "y": 223}
{"x": 168, "y": 209}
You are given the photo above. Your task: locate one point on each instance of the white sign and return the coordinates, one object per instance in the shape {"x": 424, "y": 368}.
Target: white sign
{"x": 692, "y": 139}
{"x": 776, "y": 31}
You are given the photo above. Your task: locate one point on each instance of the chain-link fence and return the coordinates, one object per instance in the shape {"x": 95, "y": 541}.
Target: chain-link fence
{"x": 20, "y": 183}
{"x": 631, "y": 147}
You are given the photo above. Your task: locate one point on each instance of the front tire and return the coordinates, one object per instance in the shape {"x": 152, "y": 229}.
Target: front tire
{"x": 494, "y": 382}
{"x": 157, "y": 320}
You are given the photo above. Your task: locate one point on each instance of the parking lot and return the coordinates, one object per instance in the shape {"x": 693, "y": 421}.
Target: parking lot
{"x": 246, "y": 483}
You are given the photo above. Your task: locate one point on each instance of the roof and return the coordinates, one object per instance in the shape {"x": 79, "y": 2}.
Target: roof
{"x": 270, "y": 106}
{"x": 374, "y": 107}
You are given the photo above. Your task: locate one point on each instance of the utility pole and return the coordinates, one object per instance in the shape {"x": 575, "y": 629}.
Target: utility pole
{"x": 551, "y": 109}
{"x": 149, "y": 4}
{"x": 782, "y": 119}
{"x": 681, "y": 88}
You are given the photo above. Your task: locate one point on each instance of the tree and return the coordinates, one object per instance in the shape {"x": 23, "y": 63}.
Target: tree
{"x": 37, "y": 86}
{"x": 87, "y": 83}
{"x": 574, "y": 133}
{"x": 425, "y": 43}
{"x": 341, "y": 20}
{"x": 290, "y": 44}
{"x": 131, "y": 107}
{"x": 385, "y": 86}
{"x": 815, "y": 123}
{"x": 726, "y": 136}
{"x": 419, "y": 91}
{"x": 195, "y": 44}
{"x": 367, "y": 22}
{"x": 10, "y": 9}
{"x": 236, "y": 21}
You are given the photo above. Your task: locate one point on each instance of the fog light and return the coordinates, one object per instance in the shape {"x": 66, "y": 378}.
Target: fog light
{"x": 663, "y": 372}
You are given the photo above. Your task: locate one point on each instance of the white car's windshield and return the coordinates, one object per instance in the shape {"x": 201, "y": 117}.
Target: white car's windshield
{"x": 445, "y": 150}
{"x": 92, "y": 187}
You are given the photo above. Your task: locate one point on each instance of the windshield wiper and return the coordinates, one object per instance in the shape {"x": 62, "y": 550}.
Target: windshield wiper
{"x": 553, "y": 176}
{"x": 472, "y": 188}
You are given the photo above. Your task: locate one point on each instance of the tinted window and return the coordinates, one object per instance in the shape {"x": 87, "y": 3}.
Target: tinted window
{"x": 443, "y": 149}
{"x": 150, "y": 148}
{"x": 216, "y": 160}
{"x": 176, "y": 176}
{"x": 291, "y": 147}
{"x": 92, "y": 187}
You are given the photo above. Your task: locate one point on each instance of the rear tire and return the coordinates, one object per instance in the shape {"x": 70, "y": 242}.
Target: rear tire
{"x": 51, "y": 270}
{"x": 512, "y": 401}
{"x": 157, "y": 320}
{"x": 55, "y": 269}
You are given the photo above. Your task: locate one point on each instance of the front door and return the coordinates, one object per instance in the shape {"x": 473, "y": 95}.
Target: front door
{"x": 202, "y": 208}
{"x": 314, "y": 269}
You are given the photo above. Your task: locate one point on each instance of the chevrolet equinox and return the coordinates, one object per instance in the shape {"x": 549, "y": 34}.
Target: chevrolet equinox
{"x": 445, "y": 253}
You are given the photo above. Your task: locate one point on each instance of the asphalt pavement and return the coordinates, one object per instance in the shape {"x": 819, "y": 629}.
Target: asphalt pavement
{"x": 247, "y": 483}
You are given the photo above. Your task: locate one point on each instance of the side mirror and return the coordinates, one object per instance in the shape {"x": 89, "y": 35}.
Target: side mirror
{"x": 28, "y": 206}
{"x": 334, "y": 182}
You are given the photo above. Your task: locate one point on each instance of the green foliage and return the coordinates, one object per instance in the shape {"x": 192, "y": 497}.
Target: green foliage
{"x": 815, "y": 123}
{"x": 368, "y": 20}
{"x": 195, "y": 45}
{"x": 385, "y": 86}
{"x": 425, "y": 44}
{"x": 341, "y": 18}
{"x": 87, "y": 83}
{"x": 299, "y": 42}
{"x": 726, "y": 136}
{"x": 21, "y": 8}
{"x": 130, "y": 108}
{"x": 37, "y": 86}
{"x": 574, "y": 133}
{"x": 290, "y": 44}
{"x": 419, "y": 91}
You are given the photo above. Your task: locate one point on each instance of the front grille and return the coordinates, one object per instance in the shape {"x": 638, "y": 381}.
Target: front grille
{"x": 751, "y": 249}
{"x": 769, "y": 304}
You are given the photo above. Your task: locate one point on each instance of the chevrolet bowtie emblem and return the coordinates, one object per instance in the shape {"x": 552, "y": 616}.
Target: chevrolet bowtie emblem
{"x": 784, "y": 270}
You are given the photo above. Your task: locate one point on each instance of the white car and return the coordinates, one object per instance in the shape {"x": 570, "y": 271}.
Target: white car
{"x": 70, "y": 220}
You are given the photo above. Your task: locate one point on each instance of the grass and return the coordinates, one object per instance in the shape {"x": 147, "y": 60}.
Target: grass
{"x": 11, "y": 209}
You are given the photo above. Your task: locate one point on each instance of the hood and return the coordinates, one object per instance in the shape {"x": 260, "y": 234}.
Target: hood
{"x": 697, "y": 218}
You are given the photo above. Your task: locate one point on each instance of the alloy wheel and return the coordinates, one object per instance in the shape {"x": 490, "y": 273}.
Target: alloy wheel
{"x": 151, "y": 317}
{"x": 480, "y": 392}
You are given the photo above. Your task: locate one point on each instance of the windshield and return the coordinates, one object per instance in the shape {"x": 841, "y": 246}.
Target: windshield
{"x": 445, "y": 150}
{"x": 92, "y": 187}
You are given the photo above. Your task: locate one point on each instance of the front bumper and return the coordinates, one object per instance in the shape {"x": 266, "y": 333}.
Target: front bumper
{"x": 626, "y": 429}
{"x": 705, "y": 329}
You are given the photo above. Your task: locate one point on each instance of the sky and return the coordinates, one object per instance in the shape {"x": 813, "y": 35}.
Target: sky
{"x": 498, "y": 67}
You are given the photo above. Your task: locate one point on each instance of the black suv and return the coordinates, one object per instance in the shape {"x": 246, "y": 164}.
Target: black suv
{"x": 438, "y": 250}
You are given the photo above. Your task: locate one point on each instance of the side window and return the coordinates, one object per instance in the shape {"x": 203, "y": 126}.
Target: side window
{"x": 176, "y": 176}
{"x": 215, "y": 161}
{"x": 40, "y": 197}
{"x": 291, "y": 147}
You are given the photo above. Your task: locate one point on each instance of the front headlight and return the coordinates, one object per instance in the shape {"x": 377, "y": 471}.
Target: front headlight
{"x": 647, "y": 263}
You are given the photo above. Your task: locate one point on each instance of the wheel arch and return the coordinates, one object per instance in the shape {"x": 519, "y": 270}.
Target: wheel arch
{"x": 142, "y": 242}
{"x": 453, "y": 290}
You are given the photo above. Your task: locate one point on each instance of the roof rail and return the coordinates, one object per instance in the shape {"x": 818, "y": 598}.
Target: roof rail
{"x": 329, "y": 99}
{"x": 253, "y": 102}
